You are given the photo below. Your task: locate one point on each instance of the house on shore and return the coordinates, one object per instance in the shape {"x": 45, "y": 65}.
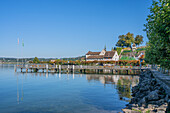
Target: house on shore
{"x": 134, "y": 47}
{"x": 102, "y": 56}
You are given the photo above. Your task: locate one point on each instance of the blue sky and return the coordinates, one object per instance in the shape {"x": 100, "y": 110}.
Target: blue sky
{"x": 67, "y": 28}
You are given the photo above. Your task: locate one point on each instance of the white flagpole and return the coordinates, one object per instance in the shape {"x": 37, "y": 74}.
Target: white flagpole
{"x": 18, "y": 51}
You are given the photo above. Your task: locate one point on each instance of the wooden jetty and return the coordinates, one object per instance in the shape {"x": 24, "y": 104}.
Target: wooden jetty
{"x": 72, "y": 68}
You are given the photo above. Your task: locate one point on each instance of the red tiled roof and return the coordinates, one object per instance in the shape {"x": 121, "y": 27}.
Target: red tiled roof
{"x": 109, "y": 54}
{"x": 134, "y": 45}
{"x": 95, "y": 57}
{"x": 93, "y": 53}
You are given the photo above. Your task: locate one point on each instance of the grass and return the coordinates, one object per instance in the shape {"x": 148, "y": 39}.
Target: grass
{"x": 127, "y": 58}
{"x": 137, "y": 110}
{"x": 148, "y": 111}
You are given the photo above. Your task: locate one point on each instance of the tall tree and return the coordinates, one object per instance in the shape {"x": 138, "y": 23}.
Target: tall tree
{"x": 121, "y": 41}
{"x": 125, "y": 40}
{"x": 138, "y": 40}
{"x": 129, "y": 39}
{"x": 158, "y": 33}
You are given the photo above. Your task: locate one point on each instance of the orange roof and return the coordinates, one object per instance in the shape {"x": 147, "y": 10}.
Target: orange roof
{"x": 93, "y": 53}
{"x": 109, "y": 54}
{"x": 95, "y": 57}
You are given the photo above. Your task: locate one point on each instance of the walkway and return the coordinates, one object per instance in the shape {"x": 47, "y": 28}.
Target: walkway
{"x": 165, "y": 78}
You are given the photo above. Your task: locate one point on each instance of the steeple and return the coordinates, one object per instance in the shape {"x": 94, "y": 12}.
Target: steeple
{"x": 105, "y": 47}
{"x": 112, "y": 49}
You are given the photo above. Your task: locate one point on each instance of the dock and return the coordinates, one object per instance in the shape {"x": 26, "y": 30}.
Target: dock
{"x": 72, "y": 68}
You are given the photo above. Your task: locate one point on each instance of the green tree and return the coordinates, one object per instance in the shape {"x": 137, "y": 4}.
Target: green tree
{"x": 125, "y": 40}
{"x": 129, "y": 39}
{"x": 121, "y": 41}
{"x": 158, "y": 33}
{"x": 36, "y": 60}
{"x": 138, "y": 40}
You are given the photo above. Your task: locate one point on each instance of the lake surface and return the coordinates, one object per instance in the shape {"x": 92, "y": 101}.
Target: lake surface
{"x": 63, "y": 93}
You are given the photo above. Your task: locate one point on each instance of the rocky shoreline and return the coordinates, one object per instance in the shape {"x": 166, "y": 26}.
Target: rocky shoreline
{"x": 149, "y": 96}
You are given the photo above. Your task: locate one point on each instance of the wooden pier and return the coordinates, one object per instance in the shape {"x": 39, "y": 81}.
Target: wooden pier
{"x": 72, "y": 68}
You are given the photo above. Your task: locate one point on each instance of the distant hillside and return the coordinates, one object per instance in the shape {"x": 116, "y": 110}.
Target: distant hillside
{"x": 74, "y": 58}
{"x": 6, "y": 59}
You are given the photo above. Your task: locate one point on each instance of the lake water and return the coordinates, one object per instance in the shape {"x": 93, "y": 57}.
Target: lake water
{"x": 63, "y": 93}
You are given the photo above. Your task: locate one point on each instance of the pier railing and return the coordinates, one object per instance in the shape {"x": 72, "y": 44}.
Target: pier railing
{"x": 45, "y": 66}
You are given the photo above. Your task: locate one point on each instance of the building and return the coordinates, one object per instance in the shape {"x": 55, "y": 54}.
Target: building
{"x": 133, "y": 47}
{"x": 102, "y": 56}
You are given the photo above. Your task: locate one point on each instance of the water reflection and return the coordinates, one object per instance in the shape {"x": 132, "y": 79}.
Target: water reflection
{"x": 56, "y": 92}
{"x": 123, "y": 83}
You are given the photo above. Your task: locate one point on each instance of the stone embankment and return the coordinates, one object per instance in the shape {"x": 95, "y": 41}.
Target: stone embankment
{"x": 151, "y": 95}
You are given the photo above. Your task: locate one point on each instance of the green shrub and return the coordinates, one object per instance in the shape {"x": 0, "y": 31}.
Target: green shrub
{"x": 118, "y": 49}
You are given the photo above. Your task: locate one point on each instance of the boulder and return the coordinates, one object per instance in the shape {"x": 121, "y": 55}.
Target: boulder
{"x": 153, "y": 96}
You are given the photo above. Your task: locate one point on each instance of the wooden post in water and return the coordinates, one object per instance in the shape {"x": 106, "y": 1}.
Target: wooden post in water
{"x": 56, "y": 68}
{"x": 59, "y": 68}
{"x": 73, "y": 68}
{"x": 21, "y": 69}
{"x": 47, "y": 68}
{"x": 15, "y": 68}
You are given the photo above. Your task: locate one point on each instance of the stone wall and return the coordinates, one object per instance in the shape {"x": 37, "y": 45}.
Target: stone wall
{"x": 149, "y": 96}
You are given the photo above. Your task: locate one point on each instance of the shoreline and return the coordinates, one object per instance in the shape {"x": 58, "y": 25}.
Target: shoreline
{"x": 150, "y": 95}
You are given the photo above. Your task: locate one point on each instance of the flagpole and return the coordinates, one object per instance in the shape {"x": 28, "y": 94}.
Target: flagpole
{"x": 18, "y": 52}
{"x": 23, "y": 51}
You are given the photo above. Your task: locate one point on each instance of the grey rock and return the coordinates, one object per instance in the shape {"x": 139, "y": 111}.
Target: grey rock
{"x": 153, "y": 95}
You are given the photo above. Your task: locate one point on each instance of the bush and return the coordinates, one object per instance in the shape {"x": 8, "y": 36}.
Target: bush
{"x": 118, "y": 49}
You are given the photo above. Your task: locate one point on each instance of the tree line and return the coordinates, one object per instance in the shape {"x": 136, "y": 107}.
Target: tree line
{"x": 158, "y": 33}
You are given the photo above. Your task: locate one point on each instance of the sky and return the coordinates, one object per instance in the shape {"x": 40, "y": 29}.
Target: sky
{"x": 67, "y": 28}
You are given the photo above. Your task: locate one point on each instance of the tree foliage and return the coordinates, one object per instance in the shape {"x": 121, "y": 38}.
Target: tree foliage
{"x": 128, "y": 39}
{"x": 138, "y": 40}
{"x": 118, "y": 49}
{"x": 158, "y": 33}
{"x": 36, "y": 60}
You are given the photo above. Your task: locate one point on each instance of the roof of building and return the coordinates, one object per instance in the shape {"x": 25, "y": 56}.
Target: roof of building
{"x": 134, "y": 45}
{"x": 95, "y": 57}
{"x": 109, "y": 54}
{"x": 93, "y": 53}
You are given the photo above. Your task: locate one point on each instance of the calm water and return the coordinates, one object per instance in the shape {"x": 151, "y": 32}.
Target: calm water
{"x": 63, "y": 93}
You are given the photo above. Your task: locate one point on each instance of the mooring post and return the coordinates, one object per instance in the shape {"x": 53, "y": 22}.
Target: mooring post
{"x": 56, "y": 68}
{"x": 68, "y": 69}
{"x": 21, "y": 69}
{"x": 59, "y": 68}
{"x": 46, "y": 67}
{"x": 15, "y": 68}
{"x": 73, "y": 68}
{"x": 26, "y": 66}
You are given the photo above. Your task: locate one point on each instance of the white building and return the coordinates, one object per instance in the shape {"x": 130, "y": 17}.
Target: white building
{"x": 102, "y": 56}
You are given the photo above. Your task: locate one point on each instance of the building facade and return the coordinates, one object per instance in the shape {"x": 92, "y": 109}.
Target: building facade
{"x": 102, "y": 56}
